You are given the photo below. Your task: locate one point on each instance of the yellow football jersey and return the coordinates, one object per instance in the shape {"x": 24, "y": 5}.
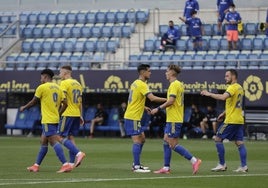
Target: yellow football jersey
{"x": 233, "y": 105}
{"x": 73, "y": 91}
{"x": 175, "y": 112}
{"x": 50, "y": 96}
{"x": 136, "y": 100}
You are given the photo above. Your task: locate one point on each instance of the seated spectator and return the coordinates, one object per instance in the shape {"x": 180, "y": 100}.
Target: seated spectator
{"x": 170, "y": 37}
{"x": 209, "y": 122}
{"x": 121, "y": 113}
{"x": 157, "y": 120}
{"x": 194, "y": 122}
{"x": 99, "y": 119}
{"x": 196, "y": 30}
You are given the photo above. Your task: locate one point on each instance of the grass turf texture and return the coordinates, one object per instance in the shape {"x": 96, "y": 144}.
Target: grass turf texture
{"x": 108, "y": 164}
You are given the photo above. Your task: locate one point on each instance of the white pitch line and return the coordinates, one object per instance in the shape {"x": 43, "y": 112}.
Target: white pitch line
{"x": 76, "y": 180}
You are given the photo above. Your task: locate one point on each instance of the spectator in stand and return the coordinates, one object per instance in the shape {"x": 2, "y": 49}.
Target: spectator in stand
{"x": 222, "y": 9}
{"x": 209, "y": 122}
{"x": 232, "y": 19}
{"x": 190, "y": 6}
{"x": 170, "y": 37}
{"x": 196, "y": 30}
{"x": 194, "y": 123}
{"x": 99, "y": 119}
{"x": 121, "y": 113}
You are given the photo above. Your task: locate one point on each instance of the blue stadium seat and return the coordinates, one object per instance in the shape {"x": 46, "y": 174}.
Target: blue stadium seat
{"x": 190, "y": 45}
{"x": 33, "y": 18}
{"x": 68, "y": 44}
{"x": 162, "y": 29}
{"x": 188, "y": 64}
{"x": 65, "y": 58}
{"x": 165, "y": 60}
{"x": 5, "y": 19}
{"x": 81, "y": 17}
{"x": 57, "y": 45}
{"x": 144, "y": 57}
{"x": 24, "y": 18}
{"x": 265, "y": 43}
{"x": 117, "y": 30}
{"x": 155, "y": 63}
{"x": 258, "y": 44}
{"x": 47, "y": 45}
{"x": 42, "y": 18}
{"x": 96, "y": 30}
{"x": 21, "y": 59}
{"x": 126, "y": 31}
{"x": 121, "y": 16}
{"x": 131, "y": 16}
{"x": 4, "y": 26}
{"x": 231, "y": 63}
{"x": 27, "y": 31}
{"x": 91, "y": 17}
{"x": 11, "y": 61}
{"x": 37, "y": 45}
{"x": 220, "y": 63}
{"x": 198, "y": 61}
{"x": 41, "y": 61}
{"x": 47, "y": 31}
{"x": 133, "y": 61}
{"x": 66, "y": 31}
{"x": 111, "y": 16}
{"x": 142, "y": 16}
{"x": 250, "y": 29}
{"x": 246, "y": 44}
{"x": 71, "y": 17}
{"x": 101, "y": 16}
{"x": 253, "y": 63}
{"x": 214, "y": 44}
{"x": 90, "y": 45}
{"x": 205, "y": 45}
{"x": 181, "y": 45}
{"x": 223, "y": 44}
{"x": 209, "y": 64}
{"x": 157, "y": 44}
{"x": 264, "y": 62}
{"x": 215, "y": 29}
{"x": 56, "y": 31}
{"x": 176, "y": 58}
{"x": 183, "y": 30}
{"x": 32, "y": 58}
{"x": 111, "y": 46}
{"x": 101, "y": 46}
{"x": 149, "y": 45}
{"x": 85, "y": 31}
{"x": 208, "y": 30}
{"x": 26, "y": 45}
{"x": 52, "y": 17}
{"x": 241, "y": 63}
{"x": 89, "y": 114}
{"x": 113, "y": 122}
{"x": 79, "y": 45}
{"x": 75, "y": 57}
{"x": 76, "y": 30}
{"x": 54, "y": 60}
{"x": 106, "y": 30}
{"x": 61, "y": 17}
{"x": 38, "y": 31}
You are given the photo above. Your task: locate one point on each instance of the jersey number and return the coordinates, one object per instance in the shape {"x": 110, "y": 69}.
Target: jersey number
{"x": 55, "y": 98}
{"x": 130, "y": 96}
{"x": 239, "y": 101}
{"x": 76, "y": 95}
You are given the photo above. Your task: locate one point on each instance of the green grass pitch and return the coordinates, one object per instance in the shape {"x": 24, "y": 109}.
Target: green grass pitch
{"x": 108, "y": 164}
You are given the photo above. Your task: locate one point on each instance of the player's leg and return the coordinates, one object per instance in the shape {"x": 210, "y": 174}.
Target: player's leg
{"x": 242, "y": 149}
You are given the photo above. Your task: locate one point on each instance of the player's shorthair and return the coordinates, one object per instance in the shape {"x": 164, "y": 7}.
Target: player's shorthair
{"x": 143, "y": 67}
{"x": 48, "y": 72}
{"x": 67, "y": 67}
{"x": 233, "y": 72}
{"x": 174, "y": 67}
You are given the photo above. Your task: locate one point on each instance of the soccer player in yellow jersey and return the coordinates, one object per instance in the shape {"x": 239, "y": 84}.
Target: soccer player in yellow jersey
{"x": 51, "y": 98}
{"x": 138, "y": 92}
{"x": 233, "y": 126}
{"x": 72, "y": 116}
{"x": 174, "y": 111}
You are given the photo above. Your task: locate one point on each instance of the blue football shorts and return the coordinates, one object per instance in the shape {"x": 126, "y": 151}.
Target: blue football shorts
{"x": 173, "y": 130}
{"x": 50, "y": 129}
{"x": 69, "y": 126}
{"x": 133, "y": 127}
{"x": 231, "y": 132}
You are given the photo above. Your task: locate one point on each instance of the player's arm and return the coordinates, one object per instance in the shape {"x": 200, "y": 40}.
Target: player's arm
{"x": 221, "y": 116}
{"x": 182, "y": 19}
{"x": 168, "y": 103}
{"x": 31, "y": 103}
{"x": 222, "y": 97}
{"x": 63, "y": 106}
{"x": 154, "y": 98}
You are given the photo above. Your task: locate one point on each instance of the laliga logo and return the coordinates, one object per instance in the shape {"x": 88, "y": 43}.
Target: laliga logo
{"x": 253, "y": 88}
{"x": 113, "y": 82}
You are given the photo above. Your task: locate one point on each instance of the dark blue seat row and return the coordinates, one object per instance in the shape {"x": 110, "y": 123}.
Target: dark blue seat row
{"x": 82, "y": 17}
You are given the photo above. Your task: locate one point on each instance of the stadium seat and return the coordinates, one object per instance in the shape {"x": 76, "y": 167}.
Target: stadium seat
{"x": 241, "y": 63}
{"x": 65, "y": 58}
{"x": 250, "y": 29}
{"x": 21, "y": 59}
{"x": 165, "y": 60}
{"x": 111, "y": 16}
{"x": 214, "y": 44}
{"x": 111, "y": 46}
{"x": 42, "y": 18}
{"x": 52, "y": 17}
{"x": 26, "y": 45}
{"x": 47, "y": 31}
{"x": 68, "y": 44}
{"x": 162, "y": 29}
{"x": 81, "y": 17}
{"x": 75, "y": 57}
{"x": 27, "y": 32}
{"x": 265, "y": 43}
{"x": 41, "y": 61}
{"x": 32, "y": 58}
{"x": 149, "y": 45}
{"x": 101, "y": 16}
{"x": 56, "y": 31}
{"x": 86, "y": 31}
{"x": 90, "y": 45}
{"x": 183, "y": 30}
{"x": 33, "y": 18}
{"x": 96, "y": 30}
{"x": 106, "y": 30}
{"x": 181, "y": 45}
{"x": 144, "y": 57}
{"x": 24, "y": 18}
{"x": 57, "y": 45}
{"x": 37, "y": 45}
{"x": 198, "y": 61}
{"x": 133, "y": 61}
{"x": 101, "y": 45}
{"x": 258, "y": 43}
{"x": 131, "y": 16}
{"x": 246, "y": 44}
{"x": 54, "y": 60}
{"x": 142, "y": 16}
{"x": 220, "y": 63}
{"x": 38, "y": 31}
{"x": 188, "y": 64}
{"x": 176, "y": 58}
{"x": 91, "y": 17}
{"x": 71, "y": 17}
{"x": 66, "y": 31}
{"x": 253, "y": 63}
{"x": 208, "y": 30}
{"x": 154, "y": 61}
{"x": 76, "y": 30}
{"x": 5, "y": 19}
{"x": 121, "y": 16}
{"x": 190, "y": 45}
{"x": 117, "y": 30}
{"x": 264, "y": 63}
{"x": 209, "y": 64}
{"x": 126, "y": 31}
{"x": 61, "y": 17}
{"x": 215, "y": 31}
{"x": 47, "y": 45}
{"x": 223, "y": 44}
{"x": 231, "y": 63}
{"x": 79, "y": 45}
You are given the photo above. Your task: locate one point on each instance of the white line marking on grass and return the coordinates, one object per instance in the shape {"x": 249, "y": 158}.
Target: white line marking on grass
{"x": 79, "y": 180}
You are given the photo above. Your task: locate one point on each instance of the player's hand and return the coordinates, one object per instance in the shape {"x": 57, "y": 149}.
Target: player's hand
{"x": 205, "y": 93}
{"x": 221, "y": 117}
{"x": 148, "y": 110}
{"x": 82, "y": 122}
{"x": 154, "y": 111}
{"x": 22, "y": 109}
